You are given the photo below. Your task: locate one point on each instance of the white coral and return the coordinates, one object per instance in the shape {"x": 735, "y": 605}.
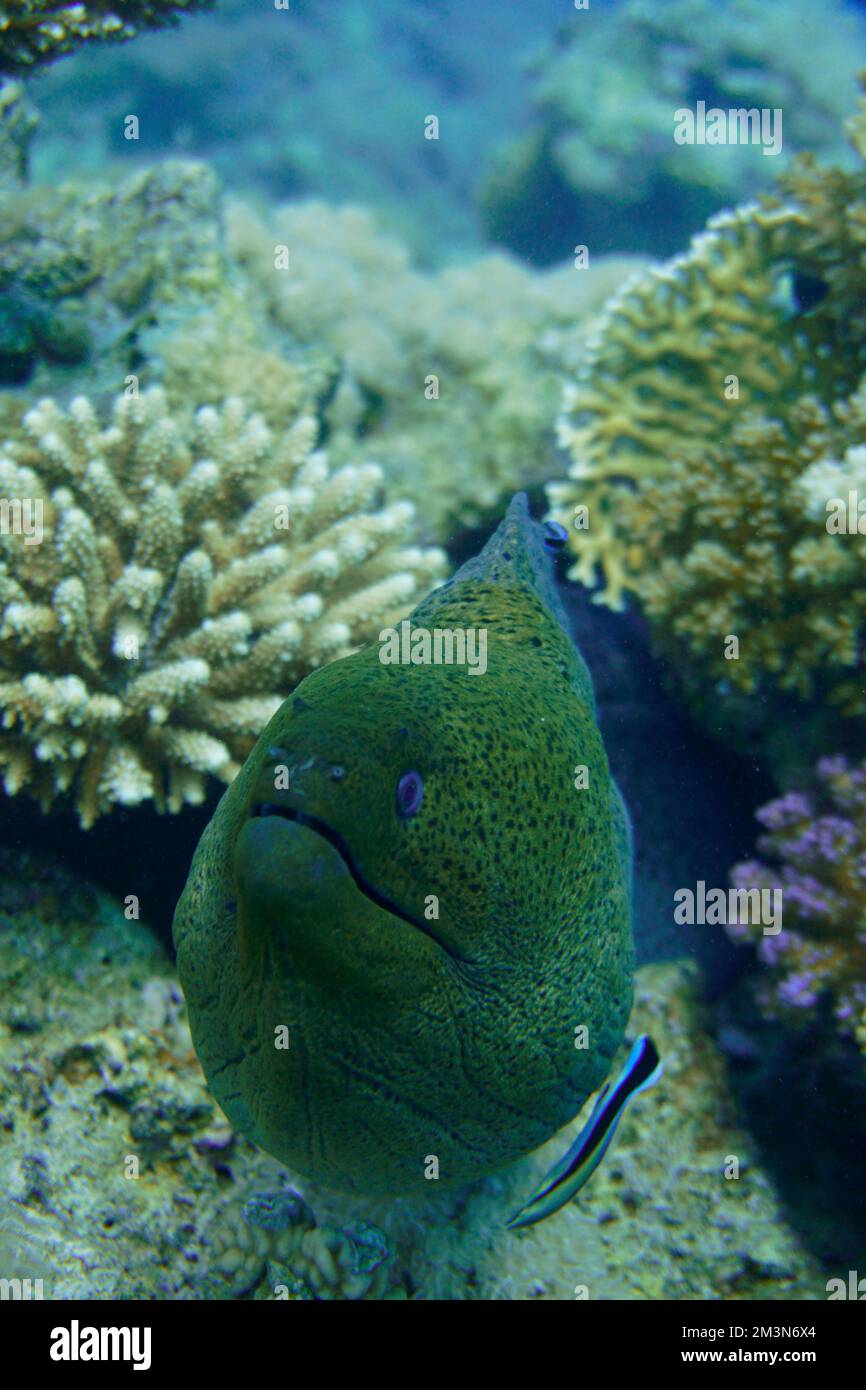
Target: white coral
{"x": 186, "y": 579}
{"x": 827, "y": 479}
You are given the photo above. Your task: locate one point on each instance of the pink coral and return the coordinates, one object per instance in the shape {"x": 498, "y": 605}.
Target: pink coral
{"x": 816, "y": 842}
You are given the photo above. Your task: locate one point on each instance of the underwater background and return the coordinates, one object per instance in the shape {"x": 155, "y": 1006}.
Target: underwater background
{"x": 385, "y": 265}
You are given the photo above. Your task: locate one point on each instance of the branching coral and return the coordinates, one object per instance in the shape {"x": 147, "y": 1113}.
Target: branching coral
{"x": 448, "y": 379}
{"x": 721, "y": 399}
{"x": 817, "y": 843}
{"x": 187, "y": 575}
{"x": 652, "y": 385}
{"x": 734, "y": 542}
{"x": 33, "y": 32}
{"x": 602, "y": 150}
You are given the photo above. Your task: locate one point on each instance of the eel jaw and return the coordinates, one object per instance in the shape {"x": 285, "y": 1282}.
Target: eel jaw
{"x": 265, "y": 809}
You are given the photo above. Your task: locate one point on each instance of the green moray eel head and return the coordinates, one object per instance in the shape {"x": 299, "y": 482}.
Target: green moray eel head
{"x": 335, "y": 862}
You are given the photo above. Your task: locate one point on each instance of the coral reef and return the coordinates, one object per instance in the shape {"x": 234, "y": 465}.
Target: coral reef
{"x": 125, "y": 1181}
{"x": 602, "y": 153}
{"x": 448, "y": 380}
{"x": 18, "y": 122}
{"x": 815, "y": 841}
{"x": 199, "y": 456}
{"x": 34, "y": 32}
{"x": 733, "y": 542}
{"x": 652, "y": 385}
{"x": 719, "y": 411}
{"x": 277, "y": 1232}
{"x": 181, "y": 577}
{"x": 101, "y": 283}
{"x": 294, "y": 104}
{"x": 85, "y": 272}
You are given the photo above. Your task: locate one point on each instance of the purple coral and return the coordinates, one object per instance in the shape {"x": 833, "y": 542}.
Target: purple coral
{"x": 815, "y": 842}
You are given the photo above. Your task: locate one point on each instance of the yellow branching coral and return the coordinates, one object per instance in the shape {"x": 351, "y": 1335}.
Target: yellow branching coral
{"x": 735, "y": 543}
{"x": 719, "y": 420}
{"x": 164, "y": 583}
{"x": 33, "y": 32}
{"x": 653, "y": 384}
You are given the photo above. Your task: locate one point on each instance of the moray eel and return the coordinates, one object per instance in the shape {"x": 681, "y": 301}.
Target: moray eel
{"x": 405, "y": 940}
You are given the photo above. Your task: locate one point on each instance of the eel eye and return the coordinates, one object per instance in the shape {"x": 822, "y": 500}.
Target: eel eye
{"x": 555, "y": 536}
{"x": 410, "y": 790}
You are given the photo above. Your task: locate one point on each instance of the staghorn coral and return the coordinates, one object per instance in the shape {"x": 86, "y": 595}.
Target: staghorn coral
{"x": 188, "y": 575}
{"x": 495, "y": 336}
{"x": 35, "y": 32}
{"x": 721, "y": 397}
{"x": 601, "y": 151}
{"x": 816, "y": 843}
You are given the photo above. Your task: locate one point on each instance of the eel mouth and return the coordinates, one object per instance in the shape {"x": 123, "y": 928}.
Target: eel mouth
{"x": 334, "y": 838}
